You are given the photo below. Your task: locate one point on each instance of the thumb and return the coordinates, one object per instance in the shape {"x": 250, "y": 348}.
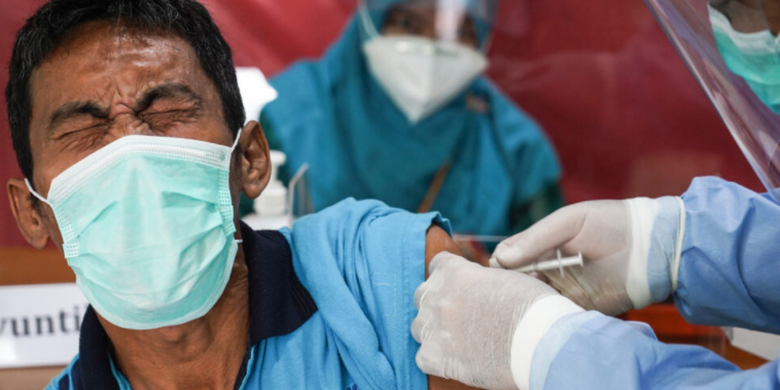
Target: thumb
{"x": 544, "y": 237}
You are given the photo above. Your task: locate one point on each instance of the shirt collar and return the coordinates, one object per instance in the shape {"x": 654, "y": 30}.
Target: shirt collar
{"x": 278, "y": 305}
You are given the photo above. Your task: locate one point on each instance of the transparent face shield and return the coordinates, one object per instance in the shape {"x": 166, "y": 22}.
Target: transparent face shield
{"x": 731, "y": 47}
{"x": 467, "y": 22}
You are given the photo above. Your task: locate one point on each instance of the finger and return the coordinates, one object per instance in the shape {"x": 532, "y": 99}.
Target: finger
{"x": 549, "y": 255}
{"x": 443, "y": 258}
{"x": 429, "y": 359}
{"x": 417, "y": 327}
{"x": 433, "y": 285}
{"x": 418, "y": 294}
{"x": 537, "y": 275}
{"x": 445, "y": 268}
{"x": 572, "y": 286}
{"x": 546, "y": 235}
{"x": 422, "y": 326}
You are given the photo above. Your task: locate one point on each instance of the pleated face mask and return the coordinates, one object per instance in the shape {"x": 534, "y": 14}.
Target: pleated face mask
{"x": 147, "y": 227}
{"x": 753, "y": 56}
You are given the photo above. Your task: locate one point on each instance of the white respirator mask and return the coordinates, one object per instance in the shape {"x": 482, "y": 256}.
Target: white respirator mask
{"x": 422, "y": 75}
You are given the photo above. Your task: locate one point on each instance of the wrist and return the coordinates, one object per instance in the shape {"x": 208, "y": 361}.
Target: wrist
{"x": 665, "y": 248}
{"x": 657, "y": 227}
{"x": 531, "y": 329}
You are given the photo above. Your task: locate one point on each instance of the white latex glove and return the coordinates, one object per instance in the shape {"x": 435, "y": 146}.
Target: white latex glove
{"x": 467, "y": 318}
{"x": 631, "y": 250}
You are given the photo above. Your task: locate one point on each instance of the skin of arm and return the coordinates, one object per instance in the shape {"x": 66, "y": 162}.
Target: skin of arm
{"x": 437, "y": 241}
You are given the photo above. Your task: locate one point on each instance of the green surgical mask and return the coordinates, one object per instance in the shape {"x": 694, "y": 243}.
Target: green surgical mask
{"x": 147, "y": 227}
{"x": 753, "y": 56}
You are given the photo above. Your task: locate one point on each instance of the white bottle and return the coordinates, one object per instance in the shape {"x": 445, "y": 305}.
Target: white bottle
{"x": 271, "y": 206}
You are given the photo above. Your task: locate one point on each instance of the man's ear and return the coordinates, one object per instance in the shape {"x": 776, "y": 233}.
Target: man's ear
{"x": 256, "y": 166}
{"x": 30, "y": 223}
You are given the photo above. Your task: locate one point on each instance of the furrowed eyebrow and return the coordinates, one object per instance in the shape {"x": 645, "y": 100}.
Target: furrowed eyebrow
{"x": 73, "y": 109}
{"x": 167, "y": 91}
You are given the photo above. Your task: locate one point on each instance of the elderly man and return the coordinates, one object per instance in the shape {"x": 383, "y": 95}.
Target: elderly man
{"x": 128, "y": 127}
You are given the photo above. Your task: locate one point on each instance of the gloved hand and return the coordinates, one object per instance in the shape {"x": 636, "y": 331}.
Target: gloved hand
{"x": 467, "y": 318}
{"x": 631, "y": 251}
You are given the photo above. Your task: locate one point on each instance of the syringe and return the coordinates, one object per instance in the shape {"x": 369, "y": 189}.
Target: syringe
{"x": 560, "y": 263}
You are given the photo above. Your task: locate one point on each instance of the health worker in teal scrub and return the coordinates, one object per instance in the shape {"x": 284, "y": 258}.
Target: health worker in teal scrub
{"x": 398, "y": 110}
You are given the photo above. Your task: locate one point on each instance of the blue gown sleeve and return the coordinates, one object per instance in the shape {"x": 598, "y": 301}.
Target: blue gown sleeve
{"x": 361, "y": 262}
{"x": 727, "y": 276}
{"x": 729, "y": 271}
{"x": 591, "y": 351}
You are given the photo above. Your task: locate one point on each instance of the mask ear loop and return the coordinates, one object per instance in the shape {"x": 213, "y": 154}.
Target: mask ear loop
{"x": 235, "y": 143}
{"x": 233, "y": 149}
{"x": 488, "y": 42}
{"x": 37, "y": 195}
{"x": 368, "y": 25}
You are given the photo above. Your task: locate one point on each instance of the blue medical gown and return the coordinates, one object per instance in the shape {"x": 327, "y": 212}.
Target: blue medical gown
{"x": 333, "y": 115}
{"x": 729, "y": 275}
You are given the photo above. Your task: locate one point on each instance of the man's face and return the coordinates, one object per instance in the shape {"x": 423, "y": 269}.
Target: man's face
{"x": 423, "y": 20}
{"x": 104, "y": 84}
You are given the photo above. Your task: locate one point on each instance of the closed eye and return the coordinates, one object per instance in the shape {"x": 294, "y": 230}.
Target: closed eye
{"x": 83, "y": 139}
{"x": 163, "y": 120}
{"x": 167, "y": 105}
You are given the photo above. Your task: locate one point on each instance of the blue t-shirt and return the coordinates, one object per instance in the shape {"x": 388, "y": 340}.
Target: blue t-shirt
{"x": 331, "y": 305}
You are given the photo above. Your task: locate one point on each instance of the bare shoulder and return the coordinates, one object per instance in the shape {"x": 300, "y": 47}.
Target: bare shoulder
{"x": 436, "y": 241}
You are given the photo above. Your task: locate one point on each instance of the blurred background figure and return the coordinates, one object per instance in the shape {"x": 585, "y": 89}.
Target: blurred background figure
{"x": 398, "y": 110}
{"x": 747, "y": 90}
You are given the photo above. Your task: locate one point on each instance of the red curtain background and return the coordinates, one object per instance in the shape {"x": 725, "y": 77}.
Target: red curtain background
{"x": 600, "y": 76}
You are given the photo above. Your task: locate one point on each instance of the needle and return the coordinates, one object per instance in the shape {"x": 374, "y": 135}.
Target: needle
{"x": 559, "y": 263}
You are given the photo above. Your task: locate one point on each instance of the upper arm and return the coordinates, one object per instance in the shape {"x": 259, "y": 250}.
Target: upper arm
{"x": 436, "y": 241}
{"x": 436, "y": 383}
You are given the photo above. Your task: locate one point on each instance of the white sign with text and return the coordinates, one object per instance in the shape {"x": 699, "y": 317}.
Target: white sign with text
{"x": 39, "y": 324}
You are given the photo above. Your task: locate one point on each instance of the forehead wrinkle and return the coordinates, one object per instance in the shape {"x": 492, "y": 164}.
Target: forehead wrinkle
{"x": 128, "y": 70}
{"x": 96, "y": 40}
{"x": 128, "y": 64}
{"x": 172, "y": 90}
